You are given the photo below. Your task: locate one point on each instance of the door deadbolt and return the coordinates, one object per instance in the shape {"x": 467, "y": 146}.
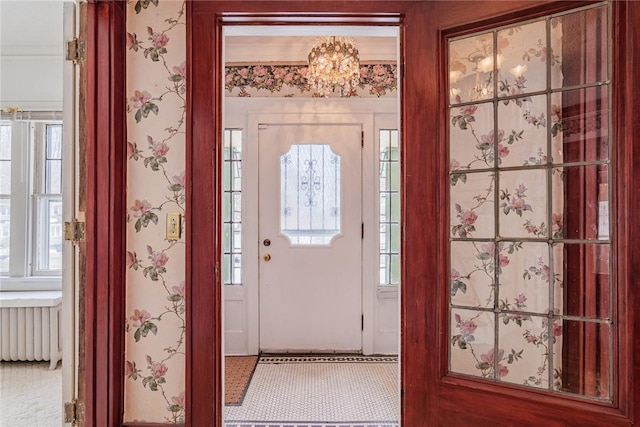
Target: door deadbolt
{"x": 266, "y": 257}
{"x": 266, "y": 242}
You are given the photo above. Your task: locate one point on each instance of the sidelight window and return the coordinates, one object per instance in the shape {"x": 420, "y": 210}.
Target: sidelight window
{"x": 530, "y": 289}
{"x": 232, "y": 207}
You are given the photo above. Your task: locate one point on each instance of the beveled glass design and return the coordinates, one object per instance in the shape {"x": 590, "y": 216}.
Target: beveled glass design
{"x": 310, "y": 201}
{"x": 530, "y": 254}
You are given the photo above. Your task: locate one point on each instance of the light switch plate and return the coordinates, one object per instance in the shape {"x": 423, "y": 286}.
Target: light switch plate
{"x": 174, "y": 226}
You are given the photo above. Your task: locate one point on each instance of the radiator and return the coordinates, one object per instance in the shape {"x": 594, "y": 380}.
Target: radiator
{"x": 30, "y": 332}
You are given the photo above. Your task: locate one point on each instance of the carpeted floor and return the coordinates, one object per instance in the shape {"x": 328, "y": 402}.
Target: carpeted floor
{"x": 237, "y": 375}
{"x": 30, "y": 395}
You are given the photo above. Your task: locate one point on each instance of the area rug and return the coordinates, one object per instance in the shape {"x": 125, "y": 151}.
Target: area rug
{"x": 237, "y": 376}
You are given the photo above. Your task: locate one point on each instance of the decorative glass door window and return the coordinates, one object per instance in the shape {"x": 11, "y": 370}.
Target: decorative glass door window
{"x": 530, "y": 244}
{"x": 389, "y": 207}
{"x": 232, "y": 208}
{"x": 310, "y": 194}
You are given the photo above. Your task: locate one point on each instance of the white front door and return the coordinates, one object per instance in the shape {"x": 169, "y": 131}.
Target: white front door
{"x": 310, "y": 219}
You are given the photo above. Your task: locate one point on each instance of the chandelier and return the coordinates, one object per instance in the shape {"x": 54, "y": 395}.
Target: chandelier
{"x": 334, "y": 63}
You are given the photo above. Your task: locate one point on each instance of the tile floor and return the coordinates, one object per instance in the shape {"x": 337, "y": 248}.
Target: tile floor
{"x": 303, "y": 392}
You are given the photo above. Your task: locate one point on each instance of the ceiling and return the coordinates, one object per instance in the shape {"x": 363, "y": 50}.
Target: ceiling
{"x": 31, "y": 28}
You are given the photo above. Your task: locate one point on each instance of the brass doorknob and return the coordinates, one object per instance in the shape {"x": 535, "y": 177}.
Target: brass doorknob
{"x": 266, "y": 257}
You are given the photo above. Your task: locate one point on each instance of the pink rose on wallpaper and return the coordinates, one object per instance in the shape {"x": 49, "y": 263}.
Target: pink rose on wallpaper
{"x": 132, "y": 150}
{"x": 159, "y": 40}
{"x": 455, "y": 275}
{"x": 503, "y": 42}
{"x": 503, "y": 371}
{"x": 557, "y": 329}
{"x": 503, "y": 151}
{"x": 158, "y": 369}
{"x": 140, "y": 207}
{"x": 521, "y": 189}
{"x": 179, "y": 399}
{"x": 454, "y": 165}
{"x": 139, "y": 317}
{"x": 516, "y": 203}
{"x": 279, "y": 73}
{"x": 364, "y": 71}
{"x": 132, "y": 40}
{"x": 180, "y": 179}
{"x": 140, "y": 98}
{"x": 181, "y": 69}
{"x": 521, "y": 299}
{"x": 228, "y": 79}
{"x": 244, "y": 73}
{"x": 469, "y": 110}
{"x": 556, "y": 113}
{"x": 131, "y": 259}
{"x": 467, "y": 327}
{"x": 468, "y": 217}
{"x": 159, "y": 259}
{"x": 545, "y": 271}
{"x": 488, "y": 248}
{"x": 129, "y": 368}
{"x": 288, "y": 78}
{"x": 159, "y": 148}
{"x": 303, "y": 71}
{"x": 178, "y": 289}
{"x": 503, "y": 260}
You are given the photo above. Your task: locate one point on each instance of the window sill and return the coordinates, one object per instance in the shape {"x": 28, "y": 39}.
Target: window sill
{"x": 33, "y": 283}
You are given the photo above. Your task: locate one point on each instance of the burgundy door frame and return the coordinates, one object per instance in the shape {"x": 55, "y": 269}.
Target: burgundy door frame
{"x": 429, "y": 396}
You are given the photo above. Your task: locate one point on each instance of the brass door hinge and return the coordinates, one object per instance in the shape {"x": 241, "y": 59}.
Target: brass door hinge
{"x": 74, "y": 231}
{"x": 74, "y": 412}
{"x": 75, "y": 50}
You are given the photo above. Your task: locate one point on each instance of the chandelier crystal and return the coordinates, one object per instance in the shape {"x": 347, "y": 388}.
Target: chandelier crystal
{"x": 334, "y": 63}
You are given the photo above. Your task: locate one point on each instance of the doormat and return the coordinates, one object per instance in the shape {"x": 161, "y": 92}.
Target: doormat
{"x": 329, "y": 358}
{"x": 238, "y": 371}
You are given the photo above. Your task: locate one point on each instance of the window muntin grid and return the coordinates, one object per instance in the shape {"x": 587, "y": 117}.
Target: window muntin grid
{"x": 510, "y": 259}
{"x": 47, "y": 209}
{"x": 389, "y": 194}
{"x": 232, "y": 207}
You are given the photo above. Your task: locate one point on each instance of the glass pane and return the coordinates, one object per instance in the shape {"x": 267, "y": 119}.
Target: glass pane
{"x": 5, "y": 177}
{"x": 583, "y": 276}
{"x": 472, "y": 205}
{"x": 54, "y": 141}
{"x": 49, "y": 234}
{"x": 579, "y": 41}
{"x": 524, "y": 277}
{"x": 5, "y": 231}
{"x": 471, "y": 68}
{"x": 586, "y": 353}
{"x": 523, "y": 204}
{"x": 580, "y": 125}
{"x": 54, "y": 177}
{"x": 472, "y": 274}
{"x": 5, "y": 142}
{"x": 472, "y": 344}
{"x": 580, "y": 202}
{"x": 522, "y": 59}
{"x": 522, "y": 131}
{"x": 471, "y": 137}
{"x": 524, "y": 352}
{"x": 310, "y": 194}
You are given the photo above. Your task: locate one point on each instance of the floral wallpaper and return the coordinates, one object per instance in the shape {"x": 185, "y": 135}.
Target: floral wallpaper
{"x": 509, "y": 160}
{"x": 376, "y": 80}
{"x": 155, "y": 323}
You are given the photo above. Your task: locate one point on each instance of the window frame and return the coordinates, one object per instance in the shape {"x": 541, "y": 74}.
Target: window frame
{"x": 28, "y": 145}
